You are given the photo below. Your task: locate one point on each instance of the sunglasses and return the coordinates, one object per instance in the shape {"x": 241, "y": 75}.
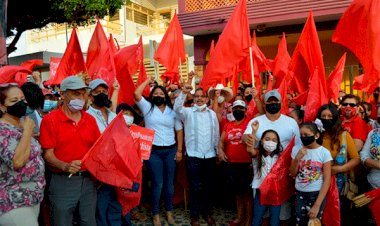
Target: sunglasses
{"x": 349, "y": 104}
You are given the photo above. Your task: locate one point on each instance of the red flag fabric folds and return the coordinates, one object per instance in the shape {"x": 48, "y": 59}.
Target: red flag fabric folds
{"x": 316, "y": 97}
{"x": 281, "y": 62}
{"x": 331, "y": 213}
{"x": 359, "y": 30}
{"x": 7, "y": 73}
{"x": 72, "y": 61}
{"x": 20, "y": 77}
{"x": 258, "y": 56}
{"x": 130, "y": 199}
{"x": 171, "y": 51}
{"x": 54, "y": 63}
{"x": 113, "y": 47}
{"x": 335, "y": 78}
{"x": 231, "y": 48}
{"x": 114, "y": 159}
{"x": 278, "y": 186}
{"x": 306, "y": 57}
{"x": 283, "y": 90}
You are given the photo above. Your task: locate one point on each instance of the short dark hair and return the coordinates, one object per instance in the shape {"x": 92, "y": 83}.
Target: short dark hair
{"x": 351, "y": 96}
{"x": 33, "y": 95}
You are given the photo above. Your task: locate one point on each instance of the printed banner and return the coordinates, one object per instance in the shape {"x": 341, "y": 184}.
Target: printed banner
{"x": 145, "y": 137}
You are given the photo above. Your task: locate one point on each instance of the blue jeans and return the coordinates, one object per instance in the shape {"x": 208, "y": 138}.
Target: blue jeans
{"x": 161, "y": 166}
{"x": 259, "y": 212}
{"x": 108, "y": 208}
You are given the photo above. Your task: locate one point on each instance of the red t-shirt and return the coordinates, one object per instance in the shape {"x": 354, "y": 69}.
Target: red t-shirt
{"x": 235, "y": 149}
{"x": 357, "y": 128}
{"x": 69, "y": 140}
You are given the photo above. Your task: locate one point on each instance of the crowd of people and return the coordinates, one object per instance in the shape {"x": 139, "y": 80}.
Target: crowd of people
{"x": 46, "y": 132}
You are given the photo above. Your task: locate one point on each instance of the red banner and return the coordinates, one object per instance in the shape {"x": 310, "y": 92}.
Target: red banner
{"x": 54, "y": 62}
{"x": 145, "y": 137}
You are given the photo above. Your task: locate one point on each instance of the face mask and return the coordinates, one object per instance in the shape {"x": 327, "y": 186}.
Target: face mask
{"x": 29, "y": 110}
{"x": 269, "y": 145}
{"x": 102, "y": 100}
{"x": 306, "y": 141}
{"x": 76, "y": 105}
{"x": 158, "y": 101}
{"x": 327, "y": 124}
{"x": 349, "y": 112}
{"x": 230, "y": 117}
{"x": 201, "y": 108}
{"x": 128, "y": 119}
{"x": 248, "y": 98}
{"x": 376, "y": 96}
{"x": 378, "y": 119}
{"x": 18, "y": 109}
{"x": 238, "y": 114}
{"x": 49, "y": 105}
{"x": 220, "y": 99}
{"x": 273, "y": 108}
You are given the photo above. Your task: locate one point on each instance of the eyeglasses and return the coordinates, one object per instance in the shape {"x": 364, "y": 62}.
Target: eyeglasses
{"x": 349, "y": 104}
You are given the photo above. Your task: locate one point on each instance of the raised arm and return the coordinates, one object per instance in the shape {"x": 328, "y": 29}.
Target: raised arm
{"x": 22, "y": 151}
{"x": 140, "y": 89}
{"x": 180, "y": 100}
{"x": 115, "y": 95}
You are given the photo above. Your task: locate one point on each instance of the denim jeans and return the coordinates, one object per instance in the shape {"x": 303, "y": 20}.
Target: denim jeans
{"x": 161, "y": 166}
{"x": 260, "y": 210}
{"x": 108, "y": 208}
{"x": 304, "y": 202}
{"x": 201, "y": 174}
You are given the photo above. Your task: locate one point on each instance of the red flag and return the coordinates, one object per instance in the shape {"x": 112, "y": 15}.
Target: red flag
{"x": 283, "y": 90}
{"x": 113, "y": 47}
{"x": 231, "y": 48}
{"x": 359, "y": 30}
{"x": 259, "y": 56}
{"x": 316, "y": 97}
{"x": 54, "y": 63}
{"x": 331, "y": 213}
{"x": 114, "y": 158}
{"x": 212, "y": 47}
{"x": 306, "y": 57}
{"x": 130, "y": 199}
{"x": 278, "y": 186}
{"x": 171, "y": 51}
{"x": 7, "y": 73}
{"x": 301, "y": 99}
{"x": 142, "y": 72}
{"x": 72, "y": 61}
{"x": 374, "y": 206}
{"x": 99, "y": 62}
{"x": 281, "y": 62}
{"x": 335, "y": 78}
{"x": 20, "y": 77}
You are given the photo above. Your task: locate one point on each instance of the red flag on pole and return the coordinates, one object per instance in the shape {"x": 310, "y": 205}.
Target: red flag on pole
{"x": 359, "y": 30}
{"x": 142, "y": 72}
{"x": 7, "y": 73}
{"x": 306, "y": 57}
{"x": 99, "y": 62}
{"x": 259, "y": 57}
{"x": 72, "y": 61}
{"x": 278, "y": 186}
{"x": 231, "y": 48}
{"x": 331, "y": 213}
{"x": 281, "y": 62}
{"x": 316, "y": 97}
{"x": 114, "y": 159}
{"x": 113, "y": 47}
{"x": 171, "y": 51}
{"x": 335, "y": 78}
{"x": 20, "y": 77}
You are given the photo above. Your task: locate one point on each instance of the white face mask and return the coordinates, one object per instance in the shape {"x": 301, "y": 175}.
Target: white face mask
{"x": 76, "y": 105}
{"x": 220, "y": 99}
{"x": 201, "y": 108}
{"x": 269, "y": 145}
{"x": 230, "y": 117}
{"x": 128, "y": 119}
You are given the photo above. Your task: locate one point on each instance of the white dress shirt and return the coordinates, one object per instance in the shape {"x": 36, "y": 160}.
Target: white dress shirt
{"x": 201, "y": 129}
{"x": 163, "y": 123}
{"x": 100, "y": 120}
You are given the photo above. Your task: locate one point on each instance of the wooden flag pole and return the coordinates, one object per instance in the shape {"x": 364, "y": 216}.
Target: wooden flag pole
{"x": 252, "y": 70}
{"x": 180, "y": 70}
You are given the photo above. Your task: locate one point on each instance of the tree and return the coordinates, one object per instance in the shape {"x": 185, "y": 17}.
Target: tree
{"x": 25, "y": 15}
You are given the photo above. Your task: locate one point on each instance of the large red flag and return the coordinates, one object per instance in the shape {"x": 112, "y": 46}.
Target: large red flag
{"x": 113, "y": 47}
{"x": 72, "y": 61}
{"x": 99, "y": 62}
{"x": 331, "y": 213}
{"x": 335, "y": 78}
{"x": 114, "y": 159}
{"x": 231, "y": 48}
{"x": 316, "y": 97}
{"x": 7, "y": 73}
{"x": 20, "y": 77}
{"x": 258, "y": 56}
{"x": 278, "y": 186}
{"x": 306, "y": 57}
{"x": 283, "y": 90}
{"x": 281, "y": 62}
{"x": 142, "y": 72}
{"x": 171, "y": 51}
{"x": 359, "y": 30}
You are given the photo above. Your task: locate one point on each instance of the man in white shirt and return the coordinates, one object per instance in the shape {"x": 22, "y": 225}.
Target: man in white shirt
{"x": 109, "y": 210}
{"x": 201, "y": 139}
{"x": 285, "y": 126}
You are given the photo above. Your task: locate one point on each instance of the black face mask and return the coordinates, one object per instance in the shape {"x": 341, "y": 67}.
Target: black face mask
{"x": 158, "y": 101}
{"x": 306, "y": 141}
{"x": 376, "y": 96}
{"x": 248, "y": 98}
{"x": 327, "y": 123}
{"x": 102, "y": 100}
{"x": 18, "y": 109}
{"x": 273, "y": 108}
{"x": 378, "y": 120}
{"x": 238, "y": 114}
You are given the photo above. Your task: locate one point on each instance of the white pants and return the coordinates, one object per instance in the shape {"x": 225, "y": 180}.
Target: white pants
{"x": 24, "y": 216}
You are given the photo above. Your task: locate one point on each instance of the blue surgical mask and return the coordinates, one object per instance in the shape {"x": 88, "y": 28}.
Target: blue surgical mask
{"x": 29, "y": 111}
{"x": 49, "y": 105}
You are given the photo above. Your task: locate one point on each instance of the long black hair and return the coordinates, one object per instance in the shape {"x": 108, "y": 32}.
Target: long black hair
{"x": 167, "y": 102}
{"x": 262, "y": 151}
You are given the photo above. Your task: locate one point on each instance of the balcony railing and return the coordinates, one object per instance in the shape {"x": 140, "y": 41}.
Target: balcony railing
{"x": 199, "y": 5}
